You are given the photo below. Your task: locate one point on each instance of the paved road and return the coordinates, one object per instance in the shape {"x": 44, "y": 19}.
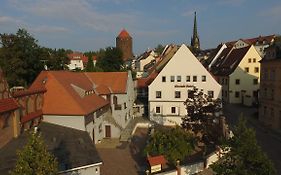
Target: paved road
{"x": 269, "y": 141}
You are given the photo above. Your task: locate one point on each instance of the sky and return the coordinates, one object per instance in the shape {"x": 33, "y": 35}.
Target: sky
{"x": 88, "y": 25}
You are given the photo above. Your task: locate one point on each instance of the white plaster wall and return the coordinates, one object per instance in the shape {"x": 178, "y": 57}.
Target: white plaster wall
{"x": 93, "y": 170}
{"x": 98, "y": 121}
{"x": 183, "y": 63}
{"x": 76, "y": 64}
{"x": 76, "y": 122}
{"x": 115, "y": 131}
{"x": 246, "y": 79}
{"x": 145, "y": 61}
{"x": 128, "y": 98}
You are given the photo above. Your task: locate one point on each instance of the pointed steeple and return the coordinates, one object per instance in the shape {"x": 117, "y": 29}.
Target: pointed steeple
{"x": 195, "y": 42}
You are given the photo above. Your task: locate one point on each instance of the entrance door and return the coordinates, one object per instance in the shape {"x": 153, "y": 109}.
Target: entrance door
{"x": 107, "y": 131}
{"x": 94, "y": 135}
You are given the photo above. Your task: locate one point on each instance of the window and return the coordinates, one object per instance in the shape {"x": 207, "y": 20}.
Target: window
{"x": 100, "y": 128}
{"x": 190, "y": 93}
{"x": 255, "y": 81}
{"x": 254, "y": 60}
{"x": 246, "y": 69}
{"x": 249, "y": 60}
{"x": 177, "y": 94}
{"x": 163, "y": 78}
{"x": 158, "y": 94}
{"x": 272, "y": 94}
{"x": 178, "y": 78}
{"x": 237, "y": 81}
{"x": 256, "y": 70}
{"x": 194, "y": 78}
{"x": 158, "y": 110}
{"x": 237, "y": 94}
{"x": 188, "y": 78}
{"x": 211, "y": 94}
{"x": 172, "y": 78}
{"x": 203, "y": 78}
{"x": 225, "y": 93}
{"x": 173, "y": 110}
{"x": 125, "y": 106}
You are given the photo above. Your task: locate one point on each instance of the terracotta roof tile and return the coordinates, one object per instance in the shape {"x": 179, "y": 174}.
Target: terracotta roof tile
{"x": 31, "y": 116}
{"x": 8, "y": 104}
{"x": 156, "y": 160}
{"x": 78, "y": 56}
{"x": 62, "y": 98}
{"x": 124, "y": 34}
{"x": 115, "y": 81}
{"x": 39, "y": 89}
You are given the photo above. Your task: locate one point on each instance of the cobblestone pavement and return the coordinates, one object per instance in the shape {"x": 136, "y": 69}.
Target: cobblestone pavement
{"x": 269, "y": 140}
{"x": 124, "y": 158}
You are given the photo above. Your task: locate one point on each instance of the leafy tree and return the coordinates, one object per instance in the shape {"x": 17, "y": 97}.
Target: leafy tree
{"x": 19, "y": 58}
{"x": 58, "y": 59}
{"x": 34, "y": 159}
{"x": 201, "y": 113}
{"x": 110, "y": 60}
{"x": 90, "y": 65}
{"x": 244, "y": 156}
{"x": 159, "y": 49}
{"x": 175, "y": 144}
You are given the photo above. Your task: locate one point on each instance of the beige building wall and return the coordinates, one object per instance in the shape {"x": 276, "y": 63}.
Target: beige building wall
{"x": 182, "y": 64}
{"x": 270, "y": 94}
{"x": 246, "y": 73}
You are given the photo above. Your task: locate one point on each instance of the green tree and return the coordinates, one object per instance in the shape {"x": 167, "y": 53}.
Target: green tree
{"x": 110, "y": 60}
{"x": 58, "y": 59}
{"x": 175, "y": 144}
{"x": 19, "y": 58}
{"x": 34, "y": 159}
{"x": 159, "y": 49}
{"x": 90, "y": 65}
{"x": 244, "y": 156}
{"x": 201, "y": 113}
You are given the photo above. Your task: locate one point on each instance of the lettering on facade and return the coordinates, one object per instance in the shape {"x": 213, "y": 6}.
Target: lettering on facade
{"x": 183, "y": 86}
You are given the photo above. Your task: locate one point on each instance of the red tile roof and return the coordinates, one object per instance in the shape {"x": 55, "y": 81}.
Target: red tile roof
{"x": 62, "y": 98}
{"x": 156, "y": 160}
{"x": 8, "y": 104}
{"x": 31, "y": 116}
{"x": 37, "y": 90}
{"x": 124, "y": 34}
{"x": 78, "y": 56}
{"x": 145, "y": 82}
{"x": 115, "y": 81}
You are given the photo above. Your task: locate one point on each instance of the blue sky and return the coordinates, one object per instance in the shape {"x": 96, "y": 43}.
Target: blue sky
{"x": 84, "y": 25}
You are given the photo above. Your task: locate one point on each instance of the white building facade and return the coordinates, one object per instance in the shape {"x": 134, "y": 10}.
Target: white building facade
{"x": 170, "y": 88}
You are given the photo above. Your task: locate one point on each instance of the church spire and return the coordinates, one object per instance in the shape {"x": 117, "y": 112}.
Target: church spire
{"x": 195, "y": 42}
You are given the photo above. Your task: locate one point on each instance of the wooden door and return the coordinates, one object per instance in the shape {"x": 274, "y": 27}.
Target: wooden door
{"x": 107, "y": 131}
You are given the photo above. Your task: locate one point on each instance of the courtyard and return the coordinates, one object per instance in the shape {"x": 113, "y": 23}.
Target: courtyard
{"x": 124, "y": 158}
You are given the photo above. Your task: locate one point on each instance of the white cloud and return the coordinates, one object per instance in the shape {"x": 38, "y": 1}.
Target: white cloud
{"x": 49, "y": 29}
{"x": 9, "y": 20}
{"x": 231, "y": 2}
{"x": 80, "y": 13}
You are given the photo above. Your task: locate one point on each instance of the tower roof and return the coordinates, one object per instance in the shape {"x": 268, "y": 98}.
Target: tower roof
{"x": 124, "y": 34}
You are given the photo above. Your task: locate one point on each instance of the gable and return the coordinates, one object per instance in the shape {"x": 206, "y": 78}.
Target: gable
{"x": 184, "y": 63}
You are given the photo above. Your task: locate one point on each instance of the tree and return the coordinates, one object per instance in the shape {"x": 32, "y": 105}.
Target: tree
{"x": 90, "y": 65}
{"x": 34, "y": 159}
{"x": 175, "y": 144}
{"x": 19, "y": 58}
{"x": 159, "y": 49}
{"x": 244, "y": 156}
{"x": 201, "y": 113}
{"x": 110, "y": 60}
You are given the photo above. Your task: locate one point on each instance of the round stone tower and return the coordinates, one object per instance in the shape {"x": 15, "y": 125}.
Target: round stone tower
{"x": 125, "y": 43}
